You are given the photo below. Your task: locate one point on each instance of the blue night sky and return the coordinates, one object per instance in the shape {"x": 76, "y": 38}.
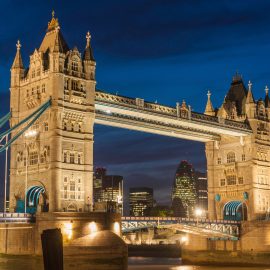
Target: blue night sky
{"x": 154, "y": 49}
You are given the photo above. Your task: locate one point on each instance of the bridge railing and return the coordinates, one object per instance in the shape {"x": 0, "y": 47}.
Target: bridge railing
{"x": 179, "y": 219}
{"x": 16, "y": 218}
{"x": 167, "y": 110}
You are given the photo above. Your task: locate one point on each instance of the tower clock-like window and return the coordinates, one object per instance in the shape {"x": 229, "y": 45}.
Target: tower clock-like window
{"x": 230, "y": 157}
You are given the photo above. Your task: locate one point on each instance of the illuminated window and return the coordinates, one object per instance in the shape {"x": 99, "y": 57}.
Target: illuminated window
{"x": 231, "y": 157}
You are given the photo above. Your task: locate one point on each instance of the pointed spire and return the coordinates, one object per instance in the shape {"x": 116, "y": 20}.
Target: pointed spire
{"x": 209, "y": 109}
{"x": 266, "y": 99}
{"x": 88, "y": 53}
{"x": 53, "y": 24}
{"x": 250, "y": 98}
{"x": 18, "y": 63}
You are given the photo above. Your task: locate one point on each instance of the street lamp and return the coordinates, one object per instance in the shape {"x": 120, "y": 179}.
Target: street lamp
{"x": 198, "y": 214}
{"x": 28, "y": 134}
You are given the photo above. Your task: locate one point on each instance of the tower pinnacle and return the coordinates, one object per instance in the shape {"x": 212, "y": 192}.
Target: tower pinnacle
{"x": 88, "y": 53}
{"x": 249, "y": 85}
{"x": 53, "y": 24}
{"x": 209, "y": 110}
{"x": 88, "y": 38}
{"x": 18, "y": 63}
{"x": 18, "y": 45}
{"x": 249, "y": 98}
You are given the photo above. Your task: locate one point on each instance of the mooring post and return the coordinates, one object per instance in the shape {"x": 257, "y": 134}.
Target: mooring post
{"x": 52, "y": 247}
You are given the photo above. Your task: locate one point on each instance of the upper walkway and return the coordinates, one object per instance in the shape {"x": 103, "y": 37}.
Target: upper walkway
{"x": 180, "y": 122}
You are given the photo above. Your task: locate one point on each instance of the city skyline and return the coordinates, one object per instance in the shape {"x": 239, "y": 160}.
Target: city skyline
{"x": 152, "y": 156}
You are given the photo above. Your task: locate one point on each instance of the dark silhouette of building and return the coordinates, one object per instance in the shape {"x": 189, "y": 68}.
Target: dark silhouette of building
{"x": 140, "y": 201}
{"x": 108, "y": 188}
{"x": 202, "y": 191}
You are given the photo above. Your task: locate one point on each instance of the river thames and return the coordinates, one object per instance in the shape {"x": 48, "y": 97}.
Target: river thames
{"x": 24, "y": 263}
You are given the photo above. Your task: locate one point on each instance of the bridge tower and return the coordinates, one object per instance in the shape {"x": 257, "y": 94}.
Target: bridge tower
{"x": 57, "y": 154}
{"x": 239, "y": 169}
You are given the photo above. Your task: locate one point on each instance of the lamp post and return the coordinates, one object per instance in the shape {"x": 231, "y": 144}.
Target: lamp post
{"x": 6, "y": 172}
{"x": 28, "y": 134}
{"x": 198, "y": 214}
{"x": 6, "y": 176}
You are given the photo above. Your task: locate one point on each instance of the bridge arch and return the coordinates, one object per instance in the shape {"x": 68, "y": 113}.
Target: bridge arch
{"x": 235, "y": 210}
{"x": 33, "y": 199}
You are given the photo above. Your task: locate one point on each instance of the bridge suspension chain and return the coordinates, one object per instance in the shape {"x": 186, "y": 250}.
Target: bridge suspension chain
{"x": 34, "y": 116}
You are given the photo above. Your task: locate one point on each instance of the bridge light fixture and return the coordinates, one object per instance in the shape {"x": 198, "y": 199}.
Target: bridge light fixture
{"x": 183, "y": 239}
{"x": 93, "y": 227}
{"x": 198, "y": 212}
{"x": 68, "y": 230}
{"x": 116, "y": 228}
{"x": 30, "y": 133}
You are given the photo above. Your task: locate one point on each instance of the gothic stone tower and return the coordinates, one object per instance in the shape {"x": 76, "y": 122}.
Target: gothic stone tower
{"x": 239, "y": 170}
{"x": 59, "y": 157}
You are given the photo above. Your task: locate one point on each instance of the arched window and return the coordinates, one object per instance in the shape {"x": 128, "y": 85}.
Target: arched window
{"x": 231, "y": 157}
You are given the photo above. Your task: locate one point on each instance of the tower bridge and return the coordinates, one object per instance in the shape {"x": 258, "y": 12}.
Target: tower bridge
{"x": 56, "y": 100}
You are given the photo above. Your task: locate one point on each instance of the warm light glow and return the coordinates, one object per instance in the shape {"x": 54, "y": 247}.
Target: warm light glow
{"x": 93, "y": 227}
{"x": 108, "y": 111}
{"x": 30, "y": 133}
{"x": 198, "y": 212}
{"x": 68, "y": 230}
{"x": 116, "y": 227}
{"x": 184, "y": 239}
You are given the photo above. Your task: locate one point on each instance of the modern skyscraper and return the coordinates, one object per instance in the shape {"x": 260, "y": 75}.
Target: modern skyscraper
{"x": 184, "y": 190}
{"x": 108, "y": 188}
{"x": 140, "y": 200}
